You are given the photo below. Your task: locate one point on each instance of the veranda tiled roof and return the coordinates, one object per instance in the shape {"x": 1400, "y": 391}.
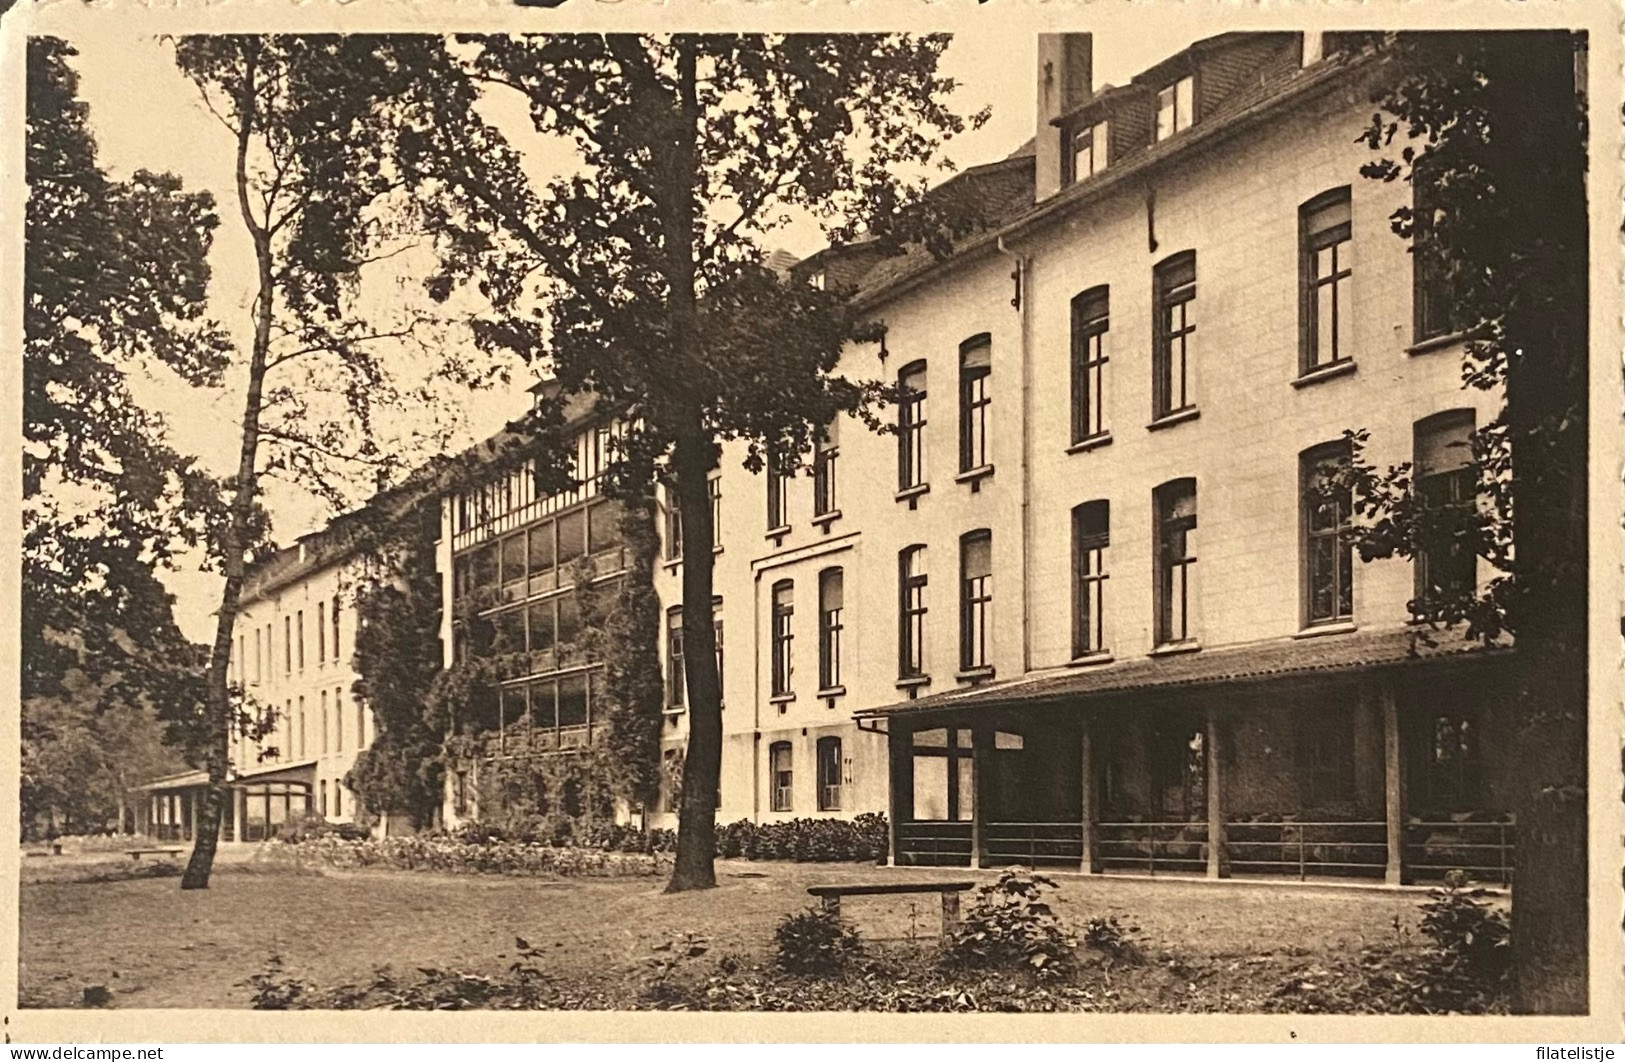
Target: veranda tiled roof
{"x": 1350, "y": 652}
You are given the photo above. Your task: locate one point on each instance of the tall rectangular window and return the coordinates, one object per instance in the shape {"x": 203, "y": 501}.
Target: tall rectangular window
{"x": 1175, "y": 504}
{"x": 1176, "y": 107}
{"x": 783, "y": 637}
{"x": 830, "y": 625}
{"x": 338, "y": 720}
{"x": 780, "y": 775}
{"x": 676, "y": 680}
{"x": 975, "y": 371}
{"x": 911, "y": 583}
{"x": 1447, "y": 487}
{"x": 287, "y": 645}
{"x": 778, "y": 482}
{"x": 674, "y": 526}
{"x": 335, "y": 615}
{"x": 1174, "y": 292}
{"x": 299, "y": 631}
{"x": 1091, "y": 319}
{"x": 300, "y": 733}
{"x": 829, "y": 774}
{"x": 1328, "y": 551}
{"x": 911, "y": 383}
{"x": 825, "y": 455}
{"x": 360, "y": 726}
{"x": 1088, "y": 154}
{"x": 321, "y": 632}
{"x": 324, "y": 723}
{"x": 1091, "y": 534}
{"x": 1326, "y": 256}
{"x": 259, "y": 658}
{"x": 975, "y": 599}
{"x": 1433, "y": 303}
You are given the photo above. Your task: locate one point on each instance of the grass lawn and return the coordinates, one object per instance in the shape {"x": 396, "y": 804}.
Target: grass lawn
{"x": 155, "y": 946}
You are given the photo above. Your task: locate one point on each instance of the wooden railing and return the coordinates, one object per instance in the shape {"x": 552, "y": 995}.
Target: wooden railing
{"x": 1032, "y": 844}
{"x": 934, "y": 844}
{"x": 1350, "y": 849}
{"x": 1484, "y": 850}
{"x": 1153, "y": 846}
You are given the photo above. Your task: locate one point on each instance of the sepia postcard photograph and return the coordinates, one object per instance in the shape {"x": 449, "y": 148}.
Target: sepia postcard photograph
{"x": 1086, "y": 521}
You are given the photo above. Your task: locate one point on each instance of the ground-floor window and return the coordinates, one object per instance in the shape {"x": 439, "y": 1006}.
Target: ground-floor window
{"x": 1326, "y": 741}
{"x": 1177, "y": 759}
{"x": 942, "y": 775}
{"x": 1450, "y": 778}
{"x": 780, "y": 773}
{"x": 829, "y": 774}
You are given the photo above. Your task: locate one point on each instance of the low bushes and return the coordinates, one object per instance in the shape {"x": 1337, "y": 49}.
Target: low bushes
{"x": 451, "y": 856}
{"x": 862, "y": 839}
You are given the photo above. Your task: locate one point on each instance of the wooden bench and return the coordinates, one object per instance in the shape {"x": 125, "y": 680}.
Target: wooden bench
{"x": 137, "y": 853}
{"x": 830, "y": 896}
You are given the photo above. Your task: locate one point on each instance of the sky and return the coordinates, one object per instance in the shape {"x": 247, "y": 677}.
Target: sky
{"x": 145, "y": 115}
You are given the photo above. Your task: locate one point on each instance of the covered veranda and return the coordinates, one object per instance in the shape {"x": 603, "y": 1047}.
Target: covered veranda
{"x": 1360, "y": 755}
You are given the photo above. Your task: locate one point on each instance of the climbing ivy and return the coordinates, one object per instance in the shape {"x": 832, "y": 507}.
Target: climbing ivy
{"x": 619, "y": 630}
{"x": 397, "y": 656}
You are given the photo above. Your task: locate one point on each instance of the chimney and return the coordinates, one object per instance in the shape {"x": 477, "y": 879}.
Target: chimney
{"x": 1065, "y": 80}
{"x": 1314, "y": 48}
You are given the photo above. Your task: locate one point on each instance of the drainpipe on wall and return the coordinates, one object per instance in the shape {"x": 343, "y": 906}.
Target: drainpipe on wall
{"x": 1024, "y": 302}
{"x": 756, "y": 697}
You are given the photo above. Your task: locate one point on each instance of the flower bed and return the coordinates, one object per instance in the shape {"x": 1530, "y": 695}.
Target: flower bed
{"x": 447, "y": 856}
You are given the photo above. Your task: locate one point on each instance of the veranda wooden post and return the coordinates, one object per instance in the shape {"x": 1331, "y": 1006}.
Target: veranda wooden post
{"x": 1218, "y": 856}
{"x": 1393, "y": 783}
{"x": 981, "y": 739}
{"x": 1090, "y": 863}
{"x": 900, "y": 786}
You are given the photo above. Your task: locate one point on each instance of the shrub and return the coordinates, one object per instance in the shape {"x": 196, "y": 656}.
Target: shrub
{"x": 815, "y": 942}
{"x": 1011, "y": 924}
{"x": 1472, "y": 941}
{"x": 1112, "y": 937}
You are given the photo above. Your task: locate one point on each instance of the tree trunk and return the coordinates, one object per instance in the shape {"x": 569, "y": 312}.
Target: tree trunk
{"x": 1546, "y": 412}
{"x": 217, "y": 751}
{"x": 693, "y": 457}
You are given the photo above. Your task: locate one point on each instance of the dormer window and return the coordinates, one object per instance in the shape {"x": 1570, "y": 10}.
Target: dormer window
{"x": 1088, "y": 154}
{"x": 1176, "y": 107}
{"x": 817, "y": 279}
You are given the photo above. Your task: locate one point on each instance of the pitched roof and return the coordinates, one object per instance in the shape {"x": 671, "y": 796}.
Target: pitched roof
{"x": 1254, "y": 661}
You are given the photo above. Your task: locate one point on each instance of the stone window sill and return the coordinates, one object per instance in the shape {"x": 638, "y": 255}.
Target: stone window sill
{"x": 823, "y": 520}
{"x": 781, "y": 699}
{"x": 1179, "y": 416}
{"x": 673, "y": 564}
{"x": 832, "y": 692}
{"x": 1093, "y": 442}
{"x": 1103, "y": 656}
{"x": 912, "y": 494}
{"x": 909, "y": 682}
{"x": 974, "y": 476}
{"x": 776, "y": 534}
{"x": 1319, "y": 629}
{"x": 1175, "y": 648}
{"x": 1325, "y": 372}
{"x": 975, "y": 674}
{"x": 1449, "y": 339}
